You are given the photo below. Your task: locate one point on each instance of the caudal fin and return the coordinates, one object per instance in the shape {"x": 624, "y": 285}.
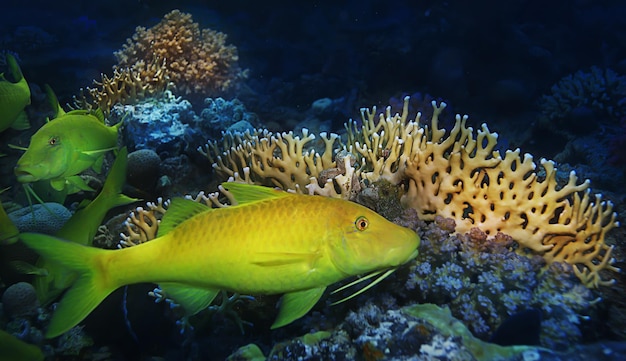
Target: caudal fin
{"x": 89, "y": 289}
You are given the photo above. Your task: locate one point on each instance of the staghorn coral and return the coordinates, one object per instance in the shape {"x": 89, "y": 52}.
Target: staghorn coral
{"x": 279, "y": 160}
{"x": 197, "y": 61}
{"x": 126, "y": 86}
{"x": 458, "y": 175}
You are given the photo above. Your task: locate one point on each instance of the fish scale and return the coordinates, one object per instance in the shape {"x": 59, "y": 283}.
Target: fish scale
{"x": 225, "y": 246}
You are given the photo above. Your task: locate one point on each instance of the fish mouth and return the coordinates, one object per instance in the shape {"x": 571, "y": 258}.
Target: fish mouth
{"x": 395, "y": 258}
{"x": 24, "y": 176}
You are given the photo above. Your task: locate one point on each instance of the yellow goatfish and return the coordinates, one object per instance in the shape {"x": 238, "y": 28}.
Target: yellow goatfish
{"x": 271, "y": 242}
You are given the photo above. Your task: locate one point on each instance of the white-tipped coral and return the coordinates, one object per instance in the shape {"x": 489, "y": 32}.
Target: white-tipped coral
{"x": 458, "y": 175}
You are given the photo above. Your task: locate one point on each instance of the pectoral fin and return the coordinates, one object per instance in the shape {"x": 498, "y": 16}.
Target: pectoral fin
{"x": 274, "y": 259}
{"x": 97, "y": 165}
{"x": 294, "y": 305}
{"x": 76, "y": 183}
{"x": 70, "y": 185}
{"x": 191, "y": 299}
{"x": 28, "y": 268}
{"x": 57, "y": 184}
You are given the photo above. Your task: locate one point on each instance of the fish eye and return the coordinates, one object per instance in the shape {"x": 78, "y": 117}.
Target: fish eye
{"x": 361, "y": 223}
{"x": 53, "y": 140}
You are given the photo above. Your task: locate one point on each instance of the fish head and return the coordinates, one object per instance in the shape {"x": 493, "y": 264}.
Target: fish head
{"x": 369, "y": 242}
{"x": 47, "y": 157}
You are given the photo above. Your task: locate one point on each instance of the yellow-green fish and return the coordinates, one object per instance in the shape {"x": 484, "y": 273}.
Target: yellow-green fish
{"x": 14, "y": 349}
{"x": 14, "y": 97}
{"x": 8, "y": 230}
{"x": 66, "y": 146}
{"x": 272, "y": 242}
{"x": 81, "y": 228}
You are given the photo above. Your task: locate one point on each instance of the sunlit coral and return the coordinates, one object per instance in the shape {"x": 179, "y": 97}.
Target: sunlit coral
{"x": 279, "y": 160}
{"x": 127, "y": 85}
{"x": 197, "y": 61}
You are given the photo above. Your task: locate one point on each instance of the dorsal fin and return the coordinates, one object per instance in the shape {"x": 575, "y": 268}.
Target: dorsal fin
{"x": 13, "y": 70}
{"x": 98, "y": 113}
{"x": 180, "y": 210}
{"x": 249, "y": 193}
{"x": 54, "y": 102}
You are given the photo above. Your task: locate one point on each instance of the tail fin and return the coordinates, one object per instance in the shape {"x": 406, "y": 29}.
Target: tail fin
{"x": 88, "y": 291}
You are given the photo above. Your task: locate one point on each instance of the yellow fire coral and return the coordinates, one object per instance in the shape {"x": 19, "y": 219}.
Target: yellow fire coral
{"x": 459, "y": 176}
{"x": 197, "y": 61}
{"x": 271, "y": 159}
{"x": 466, "y": 179}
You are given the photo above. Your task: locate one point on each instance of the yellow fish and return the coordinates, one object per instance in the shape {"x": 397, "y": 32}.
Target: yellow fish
{"x": 14, "y": 97}
{"x": 272, "y": 242}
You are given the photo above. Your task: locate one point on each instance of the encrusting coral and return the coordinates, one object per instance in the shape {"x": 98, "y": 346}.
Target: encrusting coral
{"x": 196, "y": 61}
{"x": 459, "y": 176}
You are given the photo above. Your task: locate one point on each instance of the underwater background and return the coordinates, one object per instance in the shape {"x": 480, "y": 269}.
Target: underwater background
{"x": 199, "y": 88}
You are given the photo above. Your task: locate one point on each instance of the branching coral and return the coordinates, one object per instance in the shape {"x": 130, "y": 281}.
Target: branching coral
{"x": 197, "y": 61}
{"x": 125, "y": 86}
{"x": 466, "y": 179}
{"x": 459, "y": 175}
{"x": 601, "y": 90}
{"x": 271, "y": 159}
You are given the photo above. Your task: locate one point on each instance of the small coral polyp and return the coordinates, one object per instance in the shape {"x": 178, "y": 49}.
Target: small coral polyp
{"x": 458, "y": 175}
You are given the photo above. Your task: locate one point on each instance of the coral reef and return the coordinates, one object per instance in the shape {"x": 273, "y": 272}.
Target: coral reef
{"x": 170, "y": 127}
{"x": 126, "y": 86}
{"x": 484, "y": 281}
{"x": 196, "y": 61}
{"x": 143, "y": 169}
{"x": 458, "y": 175}
{"x": 579, "y": 100}
{"x": 20, "y": 299}
{"x": 222, "y": 115}
{"x": 415, "y": 332}
{"x": 45, "y": 218}
{"x": 157, "y": 125}
{"x": 271, "y": 159}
